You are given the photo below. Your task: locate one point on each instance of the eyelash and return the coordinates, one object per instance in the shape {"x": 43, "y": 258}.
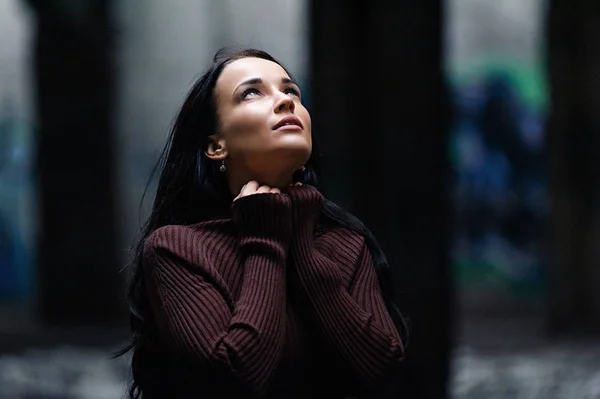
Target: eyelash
{"x": 248, "y": 91}
{"x": 294, "y": 91}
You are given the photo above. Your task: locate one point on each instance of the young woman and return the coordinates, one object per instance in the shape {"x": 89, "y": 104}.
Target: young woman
{"x": 247, "y": 280}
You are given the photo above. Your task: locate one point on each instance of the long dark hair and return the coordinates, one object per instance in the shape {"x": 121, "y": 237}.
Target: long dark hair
{"x": 190, "y": 190}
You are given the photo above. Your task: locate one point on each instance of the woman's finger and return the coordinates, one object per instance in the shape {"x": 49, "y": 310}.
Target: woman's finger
{"x": 275, "y": 191}
{"x": 249, "y": 188}
{"x": 263, "y": 189}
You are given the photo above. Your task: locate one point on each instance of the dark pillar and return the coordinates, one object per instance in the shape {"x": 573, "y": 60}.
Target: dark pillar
{"x": 574, "y": 147}
{"x": 77, "y": 260}
{"x": 379, "y": 110}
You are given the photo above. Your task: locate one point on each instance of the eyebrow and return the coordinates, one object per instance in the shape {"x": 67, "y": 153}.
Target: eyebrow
{"x": 254, "y": 81}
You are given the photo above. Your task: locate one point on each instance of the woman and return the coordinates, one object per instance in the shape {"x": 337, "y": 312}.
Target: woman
{"x": 247, "y": 281}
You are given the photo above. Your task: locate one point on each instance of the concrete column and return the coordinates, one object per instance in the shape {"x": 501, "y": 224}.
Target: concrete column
{"x": 574, "y": 145}
{"x": 380, "y": 112}
{"x": 73, "y": 66}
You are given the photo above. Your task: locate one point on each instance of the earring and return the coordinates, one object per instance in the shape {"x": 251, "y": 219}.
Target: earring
{"x": 223, "y": 168}
{"x": 302, "y": 168}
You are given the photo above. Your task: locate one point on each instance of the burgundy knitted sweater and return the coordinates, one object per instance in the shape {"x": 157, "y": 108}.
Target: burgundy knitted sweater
{"x": 269, "y": 303}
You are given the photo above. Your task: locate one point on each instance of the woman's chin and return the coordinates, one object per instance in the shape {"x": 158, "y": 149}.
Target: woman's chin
{"x": 296, "y": 154}
{"x": 294, "y": 144}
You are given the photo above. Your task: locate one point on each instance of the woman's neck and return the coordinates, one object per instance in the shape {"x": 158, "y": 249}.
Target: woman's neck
{"x": 273, "y": 180}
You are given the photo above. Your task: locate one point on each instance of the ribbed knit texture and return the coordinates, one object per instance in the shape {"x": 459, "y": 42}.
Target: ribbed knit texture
{"x": 218, "y": 292}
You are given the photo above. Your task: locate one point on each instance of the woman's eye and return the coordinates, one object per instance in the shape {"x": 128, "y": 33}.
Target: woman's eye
{"x": 249, "y": 93}
{"x": 293, "y": 91}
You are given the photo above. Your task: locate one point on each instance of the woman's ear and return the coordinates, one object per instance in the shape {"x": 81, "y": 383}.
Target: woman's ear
{"x": 216, "y": 149}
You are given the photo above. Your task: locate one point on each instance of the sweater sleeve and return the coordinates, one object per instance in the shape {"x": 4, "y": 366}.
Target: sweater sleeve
{"x": 340, "y": 285}
{"x": 194, "y": 314}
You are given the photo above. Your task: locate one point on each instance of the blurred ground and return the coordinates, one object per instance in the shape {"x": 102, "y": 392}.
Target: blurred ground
{"x": 508, "y": 359}
{"x": 505, "y": 358}
{"x": 62, "y": 373}
{"x": 561, "y": 372}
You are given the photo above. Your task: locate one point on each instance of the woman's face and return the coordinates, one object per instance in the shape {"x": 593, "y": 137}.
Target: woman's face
{"x": 263, "y": 126}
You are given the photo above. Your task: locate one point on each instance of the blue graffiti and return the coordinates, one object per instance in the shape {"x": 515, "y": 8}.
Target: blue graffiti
{"x": 500, "y": 200}
{"x": 15, "y": 183}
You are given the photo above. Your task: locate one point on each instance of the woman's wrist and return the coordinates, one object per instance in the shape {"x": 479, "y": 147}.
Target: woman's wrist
{"x": 307, "y": 205}
{"x": 265, "y": 215}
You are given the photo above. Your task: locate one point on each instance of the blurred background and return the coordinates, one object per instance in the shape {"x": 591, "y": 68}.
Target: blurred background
{"x": 465, "y": 133}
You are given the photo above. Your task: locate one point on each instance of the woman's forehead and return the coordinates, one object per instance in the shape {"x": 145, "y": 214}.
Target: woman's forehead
{"x": 244, "y": 69}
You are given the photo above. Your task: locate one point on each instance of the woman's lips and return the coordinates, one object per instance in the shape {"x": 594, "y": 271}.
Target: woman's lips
{"x": 290, "y": 123}
{"x": 289, "y": 128}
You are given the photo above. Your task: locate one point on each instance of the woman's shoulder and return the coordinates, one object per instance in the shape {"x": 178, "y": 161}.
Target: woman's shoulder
{"x": 336, "y": 233}
{"x": 338, "y": 239}
{"x": 181, "y": 239}
{"x": 174, "y": 251}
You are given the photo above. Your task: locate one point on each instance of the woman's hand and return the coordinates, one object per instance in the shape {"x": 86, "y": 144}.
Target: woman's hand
{"x": 252, "y": 187}
{"x": 264, "y": 215}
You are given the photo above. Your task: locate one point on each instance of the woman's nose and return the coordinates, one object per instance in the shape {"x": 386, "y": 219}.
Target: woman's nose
{"x": 285, "y": 103}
